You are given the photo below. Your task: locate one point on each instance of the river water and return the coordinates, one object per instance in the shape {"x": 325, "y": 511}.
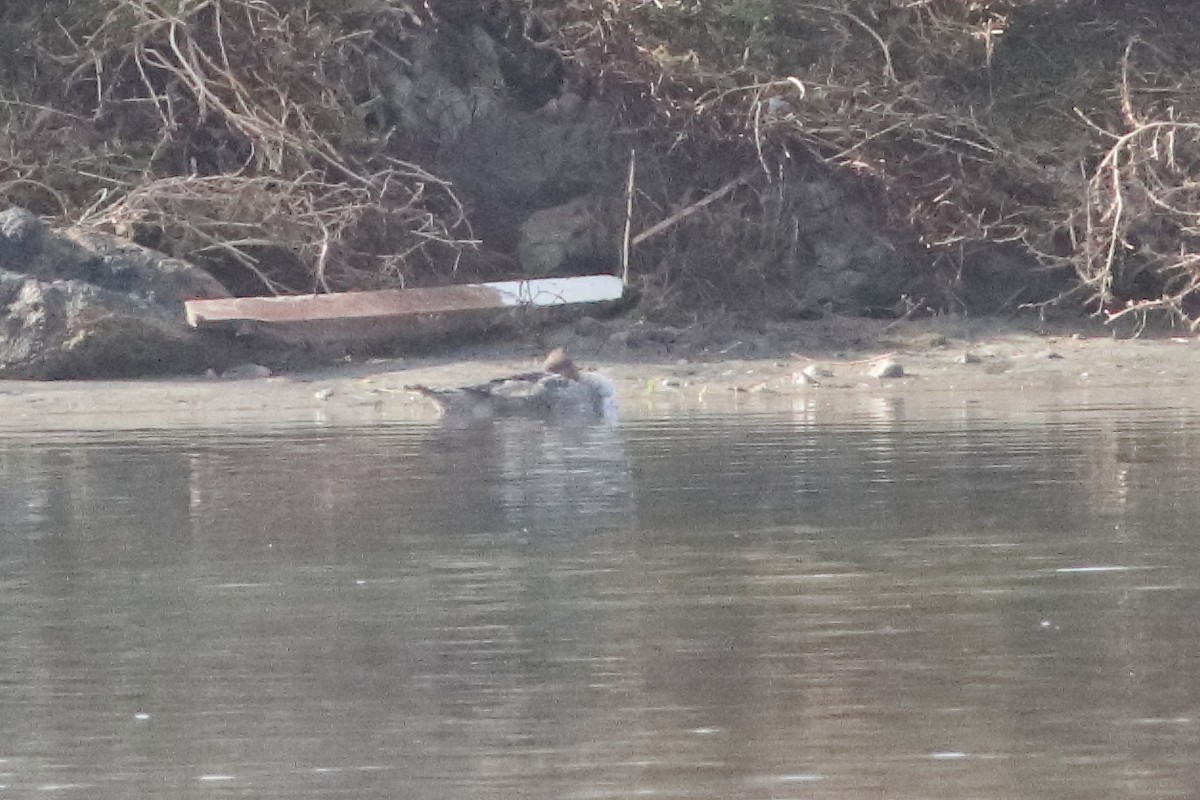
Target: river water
{"x": 777, "y": 605}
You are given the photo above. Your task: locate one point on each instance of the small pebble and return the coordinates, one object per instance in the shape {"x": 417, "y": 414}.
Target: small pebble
{"x": 1050, "y": 355}
{"x": 817, "y": 371}
{"x": 590, "y": 326}
{"x": 247, "y": 371}
{"x": 969, "y": 358}
{"x": 323, "y": 394}
{"x": 887, "y": 369}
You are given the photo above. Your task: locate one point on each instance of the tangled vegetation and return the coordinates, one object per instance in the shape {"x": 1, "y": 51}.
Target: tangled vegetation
{"x": 218, "y": 129}
{"x": 230, "y": 129}
{"x": 1067, "y": 128}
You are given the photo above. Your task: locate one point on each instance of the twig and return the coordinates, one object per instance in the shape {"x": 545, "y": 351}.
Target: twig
{"x": 625, "y": 244}
{"x": 686, "y": 212}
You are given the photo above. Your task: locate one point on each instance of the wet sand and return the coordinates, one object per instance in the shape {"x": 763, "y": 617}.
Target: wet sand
{"x": 1004, "y": 365}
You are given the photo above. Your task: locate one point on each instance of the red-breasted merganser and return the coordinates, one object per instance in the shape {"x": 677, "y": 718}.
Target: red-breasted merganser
{"x": 559, "y": 391}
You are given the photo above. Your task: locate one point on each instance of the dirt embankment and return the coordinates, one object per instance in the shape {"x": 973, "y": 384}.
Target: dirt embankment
{"x": 780, "y": 161}
{"x": 791, "y": 158}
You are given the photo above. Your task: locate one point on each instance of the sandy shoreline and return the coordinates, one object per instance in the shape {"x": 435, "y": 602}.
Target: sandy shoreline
{"x": 1011, "y": 367}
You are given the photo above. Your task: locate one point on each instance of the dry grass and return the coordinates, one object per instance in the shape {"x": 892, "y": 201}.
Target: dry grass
{"x": 923, "y": 99}
{"x": 232, "y": 125}
{"x": 1141, "y": 249}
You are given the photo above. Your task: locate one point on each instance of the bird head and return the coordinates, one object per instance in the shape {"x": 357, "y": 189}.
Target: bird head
{"x": 560, "y": 364}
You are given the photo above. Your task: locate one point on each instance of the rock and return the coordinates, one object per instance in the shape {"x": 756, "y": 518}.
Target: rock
{"x": 554, "y": 239}
{"x": 969, "y": 358}
{"x": 72, "y": 329}
{"x": 444, "y": 80}
{"x": 247, "y": 371}
{"x": 80, "y": 304}
{"x": 621, "y": 339}
{"x": 20, "y": 235}
{"x": 126, "y": 267}
{"x": 850, "y": 264}
{"x": 509, "y": 165}
{"x": 811, "y": 375}
{"x": 887, "y": 368}
{"x": 590, "y": 326}
{"x": 817, "y": 371}
{"x": 638, "y": 336}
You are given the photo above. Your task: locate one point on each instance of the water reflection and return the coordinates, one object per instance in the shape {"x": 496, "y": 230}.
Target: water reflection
{"x": 708, "y": 607}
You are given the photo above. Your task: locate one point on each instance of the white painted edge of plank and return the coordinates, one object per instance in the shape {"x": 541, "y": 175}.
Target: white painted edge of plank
{"x": 559, "y": 291}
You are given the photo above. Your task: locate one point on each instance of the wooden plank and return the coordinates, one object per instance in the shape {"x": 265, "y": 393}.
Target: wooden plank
{"x": 382, "y": 315}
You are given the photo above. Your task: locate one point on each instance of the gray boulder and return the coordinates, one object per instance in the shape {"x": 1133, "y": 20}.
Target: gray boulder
{"x": 82, "y": 304}
{"x": 556, "y": 240}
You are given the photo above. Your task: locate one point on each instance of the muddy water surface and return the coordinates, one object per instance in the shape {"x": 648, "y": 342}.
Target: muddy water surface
{"x": 787, "y": 605}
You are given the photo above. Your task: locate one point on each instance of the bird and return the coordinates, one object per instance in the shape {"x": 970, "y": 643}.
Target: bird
{"x": 560, "y": 391}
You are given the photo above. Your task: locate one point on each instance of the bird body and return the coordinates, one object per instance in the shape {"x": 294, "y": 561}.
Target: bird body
{"x": 559, "y": 392}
